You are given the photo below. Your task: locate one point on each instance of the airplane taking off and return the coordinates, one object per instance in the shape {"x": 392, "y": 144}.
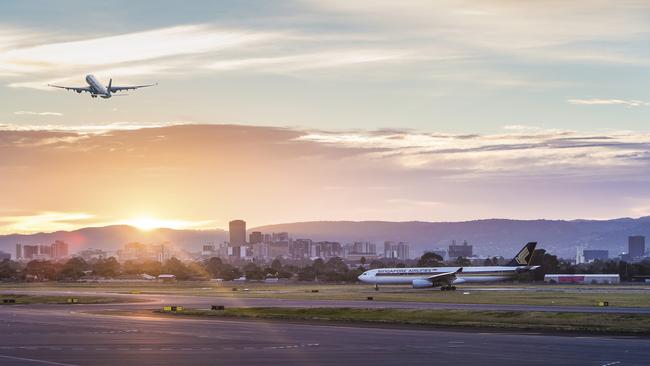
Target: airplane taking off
{"x": 447, "y": 277}
{"x": 95, "y": 88}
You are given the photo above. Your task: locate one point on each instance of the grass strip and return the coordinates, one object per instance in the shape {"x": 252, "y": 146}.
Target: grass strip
{"x": 637, "y": 324}
{"x": 46, "y": 299}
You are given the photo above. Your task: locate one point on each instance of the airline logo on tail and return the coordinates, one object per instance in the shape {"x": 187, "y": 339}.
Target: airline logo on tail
{"x": 524, "y": 256}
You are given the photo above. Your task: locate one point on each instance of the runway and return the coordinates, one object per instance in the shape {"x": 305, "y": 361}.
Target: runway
{"x": 207, "y": 301}
{"x": 64, "y": 335}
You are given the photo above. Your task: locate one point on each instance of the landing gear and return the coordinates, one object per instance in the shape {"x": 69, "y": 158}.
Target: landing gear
{"x": 376, "y": 287}
{"x": 448, "y": 288}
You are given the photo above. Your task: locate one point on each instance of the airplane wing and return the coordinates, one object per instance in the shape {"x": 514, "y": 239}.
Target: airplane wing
{"x": 447, "y": 277}
{"x": 114, "y": 89}
{"x": 77, "y": 89}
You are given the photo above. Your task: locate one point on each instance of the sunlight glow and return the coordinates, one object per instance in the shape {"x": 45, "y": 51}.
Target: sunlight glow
{"x": 148, "y": 223}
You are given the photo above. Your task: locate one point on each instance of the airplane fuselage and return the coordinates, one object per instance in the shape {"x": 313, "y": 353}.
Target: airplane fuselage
{"x": 97, "y": 88}
{"x": 404, "y": 276}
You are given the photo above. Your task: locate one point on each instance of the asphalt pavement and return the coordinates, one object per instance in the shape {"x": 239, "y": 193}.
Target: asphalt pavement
{"x": 67, "y": 335}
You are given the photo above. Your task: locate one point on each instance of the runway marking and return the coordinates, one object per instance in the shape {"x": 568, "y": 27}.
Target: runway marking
{"x": 36, "y": 360}
{"x": 611, "y": 363}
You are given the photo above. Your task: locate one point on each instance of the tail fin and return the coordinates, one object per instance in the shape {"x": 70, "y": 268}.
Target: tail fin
{"x": 110, "y": 82}
{"x": 525, "y": 255}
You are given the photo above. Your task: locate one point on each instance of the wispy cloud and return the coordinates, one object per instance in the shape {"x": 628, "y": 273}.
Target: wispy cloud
{"x": 522, "y": 149}
{"x": 30, "y": 113}
{"x": 595, "y": 101}
{"x": 130, "y": 54}
{"x": 44, "y": 221}
{"x": 311, "y": 61}
{"x": 130, "y": 47}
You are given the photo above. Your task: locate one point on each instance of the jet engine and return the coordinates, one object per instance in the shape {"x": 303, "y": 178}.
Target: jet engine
{"x": 420, "y": 283}
{"x": 79, "y": 91}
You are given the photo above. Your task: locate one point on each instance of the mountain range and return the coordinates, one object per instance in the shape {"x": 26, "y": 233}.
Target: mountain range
{"x": 489, "y": 237}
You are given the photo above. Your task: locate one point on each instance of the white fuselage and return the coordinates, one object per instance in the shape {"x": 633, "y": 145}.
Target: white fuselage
{"x": 404, "y": 276}
{"x": 96, "y": 87}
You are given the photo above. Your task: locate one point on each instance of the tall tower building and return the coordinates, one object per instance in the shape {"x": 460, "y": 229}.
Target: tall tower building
{"x": 237, "y": 231}
{"x": 59, "y": 249}
{"x": 636, "y": 246}
{"x": 19, "y": 251}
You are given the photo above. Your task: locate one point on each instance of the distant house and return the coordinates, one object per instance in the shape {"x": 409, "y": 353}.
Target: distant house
{"x": 147, "y": 277}
{"x": 167, "y": 278}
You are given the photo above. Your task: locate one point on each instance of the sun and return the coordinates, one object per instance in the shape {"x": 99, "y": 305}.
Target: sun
{"x": 146, "y": 223}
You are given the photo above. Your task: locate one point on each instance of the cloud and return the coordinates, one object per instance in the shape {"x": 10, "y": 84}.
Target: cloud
{"x": 629, "y": 103}
{"x": 211, "y": 173}
{"x": 58, "y": 114}
{"x": 129, "y": 47}
{"x": 44, "y": 221}
{"x": 523, "y": 150}
{"x": 131, "y": 54}
{"x": 583, "y": 31}
{"x": 310, "y": 61}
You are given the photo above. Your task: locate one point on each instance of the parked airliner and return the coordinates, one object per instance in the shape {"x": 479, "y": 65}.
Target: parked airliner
{"x": 95, "y": 88}
{"x": 447, "y": 277}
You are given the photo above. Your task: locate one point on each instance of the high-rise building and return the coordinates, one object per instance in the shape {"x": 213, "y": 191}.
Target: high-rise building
{"x": 45, "y": 250}
{"x": 237, "y": 230}
{"x": 363, "y": 247}
{"x": 19, "y": 251}
{"x": 464, "y": 250}
{"x": 255, "y": 237}
{"x": 403, "y": 251}
{"x": 283, "y": 236}
{"x": 59, "y": 249}
{"x": 29, "y": 251}
{"x": 394, "y": 250}
{"x": 301, "y": 248}
{"x": 326, "y": 250}
{"x": 636, "y": 246}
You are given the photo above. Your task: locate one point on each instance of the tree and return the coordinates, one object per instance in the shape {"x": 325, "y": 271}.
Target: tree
{"x": 214, "y": 266}
{"x": 42, "y": 270}
{"x": 253, "y": 272}
{"x": 377, "y": 264}
{"x": 463, "y": 262}
{"x": 362, "y": 261}
{"x": 8, "y": 269}
{"x": 429, "y": 259}
{"x": 73, "y": 269}
{"x": 177, "y": 268}
{"x": 276, "y": 265}
{"x": 107, "y": 267}
{"x": 307, "y": 273}
{"x": 319, "y": 266}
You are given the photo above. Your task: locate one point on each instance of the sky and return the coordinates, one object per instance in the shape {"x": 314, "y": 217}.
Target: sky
{"x": 323, "y": 110}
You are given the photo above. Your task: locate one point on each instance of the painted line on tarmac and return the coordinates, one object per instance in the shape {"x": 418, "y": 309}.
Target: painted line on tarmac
{"x": 45, "y": 362}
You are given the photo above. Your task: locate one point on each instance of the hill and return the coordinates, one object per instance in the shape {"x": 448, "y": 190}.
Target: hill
{"x": 489, "y": 237}
{"x": 113, "y": 237}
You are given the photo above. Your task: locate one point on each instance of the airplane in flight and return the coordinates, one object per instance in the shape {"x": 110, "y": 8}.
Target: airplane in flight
{"x": 95, "y": 88}
{"x": 447, "y": 277}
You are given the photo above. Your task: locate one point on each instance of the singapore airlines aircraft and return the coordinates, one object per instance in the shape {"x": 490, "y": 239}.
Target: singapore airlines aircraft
{"x": 95, "y": 88}
{"x": 447, "y": 277}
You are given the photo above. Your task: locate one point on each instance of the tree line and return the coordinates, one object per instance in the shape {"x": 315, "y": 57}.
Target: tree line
{"x": 331, "y": 270}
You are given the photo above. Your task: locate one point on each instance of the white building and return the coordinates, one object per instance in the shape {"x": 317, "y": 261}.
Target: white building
{"x": 582, "y": 278}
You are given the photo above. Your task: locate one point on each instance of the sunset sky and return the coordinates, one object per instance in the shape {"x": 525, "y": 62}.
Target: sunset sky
{"x": 323, "y": 110}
